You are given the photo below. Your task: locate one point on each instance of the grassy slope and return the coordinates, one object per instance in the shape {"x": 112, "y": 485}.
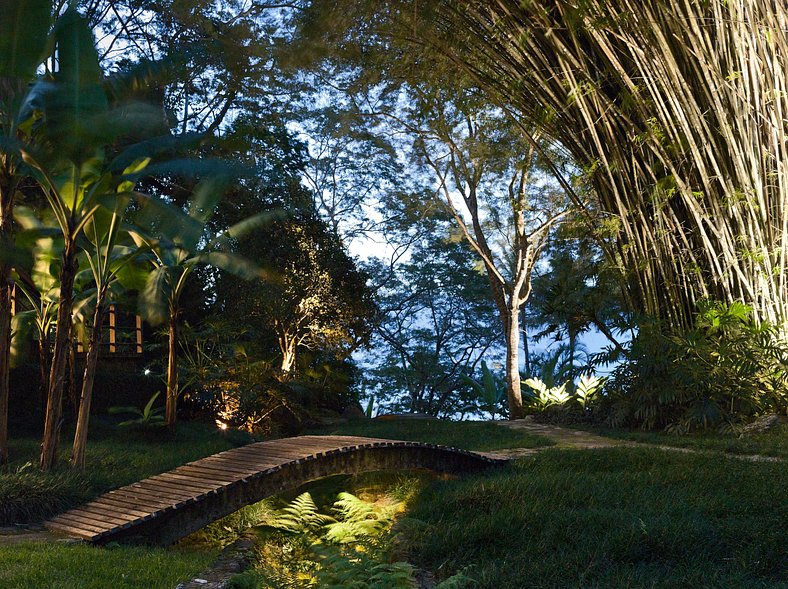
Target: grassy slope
{"x": 772, "y": 443}
{"x": 608, "y": 518}
{"x": 468, "y": 435}
{"x": 60, "y": 566}
{"x": 115, "y": 457}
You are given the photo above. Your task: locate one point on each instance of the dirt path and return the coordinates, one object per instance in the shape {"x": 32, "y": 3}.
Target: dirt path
{"x": 17, "y": 535}
{"x": 575, "y": 439}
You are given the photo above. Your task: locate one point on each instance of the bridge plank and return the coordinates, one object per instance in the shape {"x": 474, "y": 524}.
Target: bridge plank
{"x": 146, "y": 498}
{"x": 132, "y": 508}
{"x": 168, "y": 491}
{"x": 73, "y": 519}
{"x": 220, "y": 473}
{"x": 188, "y": 485}
{"x": 70, "y": 530}
{"x": 202, "y": 477}
{"x": 111, "y": 513}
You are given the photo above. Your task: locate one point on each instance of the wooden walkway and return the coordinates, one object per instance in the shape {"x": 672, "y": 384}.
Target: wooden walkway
{"x": 171, "y": 505}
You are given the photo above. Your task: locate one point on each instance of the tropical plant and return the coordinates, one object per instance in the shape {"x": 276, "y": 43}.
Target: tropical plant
{"x": 341, "y": 550}
{"x": 491, "y": 389}
{"x": 727, "y": 368}
{"x": 39, "y": 286}
{"x": 653, "y": 101}
{"x": 24, "y": 31}
{"x": 587, "y": 388}
{"x": 179, "y": 243}
{"x": 109, "y": 262}
{"x": 148, "y": 416}
{"x": 547, "y": 396}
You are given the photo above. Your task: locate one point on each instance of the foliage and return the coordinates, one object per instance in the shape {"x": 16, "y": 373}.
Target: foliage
{"x": 435, "y": 318}
{"x": 344, "y": 549}
{"x": 491, "y": 390}
{"x": 574, "y": 292}
{"x": 629, "y": 90}
{"x": 585, "y": 391}
{"x": 614, "y": 518}
{"x": 725, "y": 369}
{"x": 147, "y": 416}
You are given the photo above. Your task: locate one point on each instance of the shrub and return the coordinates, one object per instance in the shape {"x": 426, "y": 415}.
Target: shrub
{"x": 29, "y": 495}
{"x": 726, "y": 369}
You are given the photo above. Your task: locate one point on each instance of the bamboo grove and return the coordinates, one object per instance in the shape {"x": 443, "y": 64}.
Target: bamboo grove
{"x": 678, "y": 114}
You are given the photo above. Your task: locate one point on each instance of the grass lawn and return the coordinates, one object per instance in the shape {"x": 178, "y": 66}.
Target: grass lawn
{"x": 115, "y": 457}
{"x": 76, "y": 566}
{"x": 467, "y": 435}
{"x": 771, "y": 443}
{"x": 607, "y": 518}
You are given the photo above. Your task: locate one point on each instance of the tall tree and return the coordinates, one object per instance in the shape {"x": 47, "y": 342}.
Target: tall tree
{"x": 436, "y": 319}
{"x": 673, "y": 109}
{"x": 483, "y": 167}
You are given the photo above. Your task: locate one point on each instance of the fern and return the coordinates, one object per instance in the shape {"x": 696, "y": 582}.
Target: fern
{"x": 357, "y": 519}
{"x": 301, "y": 516}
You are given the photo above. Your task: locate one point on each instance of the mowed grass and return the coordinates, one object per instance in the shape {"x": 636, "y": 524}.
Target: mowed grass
{"x": 467, "y": 435}
{"x": 771, "y": 443}
{"x": 79, "y": 566}
{"x": 608, "y": 518}
{"x": 115, "y": 457}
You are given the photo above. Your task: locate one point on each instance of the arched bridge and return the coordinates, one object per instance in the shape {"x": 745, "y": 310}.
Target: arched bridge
{"x": 171, "y": 505}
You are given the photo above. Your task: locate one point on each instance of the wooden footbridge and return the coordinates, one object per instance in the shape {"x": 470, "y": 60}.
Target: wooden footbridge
{"x": 171, "y": 505}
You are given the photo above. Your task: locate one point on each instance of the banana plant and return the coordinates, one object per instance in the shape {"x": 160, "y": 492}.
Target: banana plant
{"x": 109, "y": 263}
{"x": 24, "y": 31}
{"x": 39, "y": 287}
{"x": 179, "y": 244}
{"x": 69, "y": 163}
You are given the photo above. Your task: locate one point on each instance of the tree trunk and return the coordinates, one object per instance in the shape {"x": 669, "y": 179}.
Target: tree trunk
{"x": 44, "y": 366}
{"x": 91, "y": 359}
{"x": 512, "y": 333}
{"x": 57, "y": 375}
{"x": 172, "y": 372}
{"x": 6, "y": 237}
{"x": 73, "y": 401}
{"x": 526, "y": 348}
{"x": 287, "y": 346}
